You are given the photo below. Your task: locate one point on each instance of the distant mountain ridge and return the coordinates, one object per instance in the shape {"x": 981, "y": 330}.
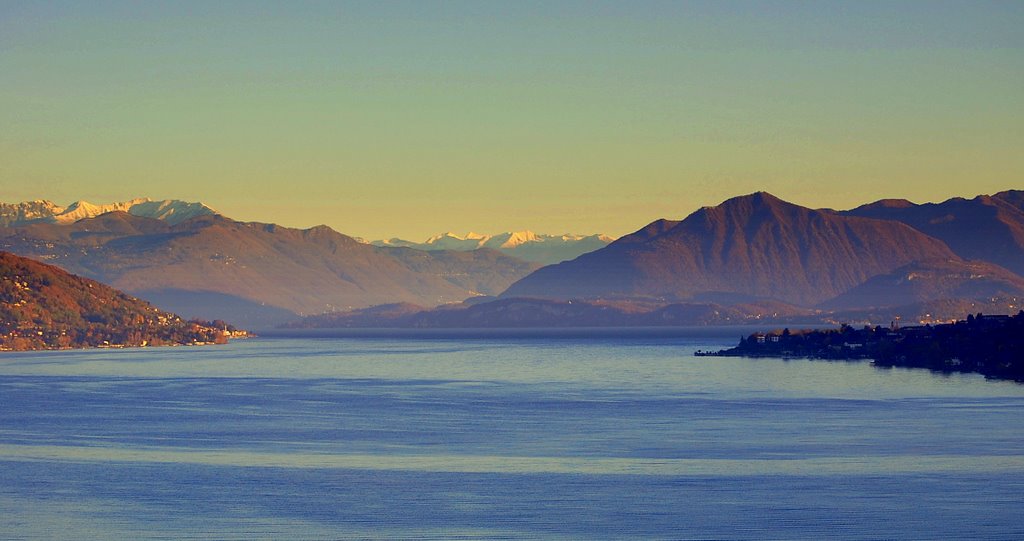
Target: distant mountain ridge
{"x": 757, "y": 259}
{"x": 539, "y": 248}
{"x": 750, "y": 257}
{"x": 171, "y": 211}
{"x": 546, "y": 313}
{"x": 921, "y": 282}
{"x": 256, "y": 274}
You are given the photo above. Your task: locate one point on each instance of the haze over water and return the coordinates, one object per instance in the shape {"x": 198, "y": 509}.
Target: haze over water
{"x": 500, "y": 437}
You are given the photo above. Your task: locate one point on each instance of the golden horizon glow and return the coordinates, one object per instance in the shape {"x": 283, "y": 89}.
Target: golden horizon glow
{"x": 410, "y": 119}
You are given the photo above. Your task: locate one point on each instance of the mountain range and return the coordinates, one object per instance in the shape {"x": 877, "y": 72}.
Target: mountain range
{"x": 751, "y": 258}
{"x": 256, "y": 274}
{"x": 756, "y": 257}
{"x": 171, "y": 211}
{"x": 527, "y": 245}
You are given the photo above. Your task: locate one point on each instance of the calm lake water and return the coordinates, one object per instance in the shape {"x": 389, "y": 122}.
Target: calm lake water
{"x": 500, "y": 437}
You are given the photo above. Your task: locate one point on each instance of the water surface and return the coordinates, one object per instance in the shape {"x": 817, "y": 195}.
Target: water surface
{"x": 500, "y": 437}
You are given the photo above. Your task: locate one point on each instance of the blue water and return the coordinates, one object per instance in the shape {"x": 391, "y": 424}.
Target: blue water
{"x": 500, "y": 437}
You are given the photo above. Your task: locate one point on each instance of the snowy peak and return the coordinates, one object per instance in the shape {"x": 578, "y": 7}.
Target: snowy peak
{"x": 546, "y": 249}
{"x": 84, "y": 209}
{"x": 393, "y": 242}
{"x": 171, "y": 211}
{"x": 516, "y": 238}
{"x": 13, "y": 213}
{"x": 443, "y": 236}
{"x": 452, "y": 241}
{"x": 449, "y": 236}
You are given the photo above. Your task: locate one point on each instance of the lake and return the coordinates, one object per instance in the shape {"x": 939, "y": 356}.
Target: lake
{"x": 501, "y": 435}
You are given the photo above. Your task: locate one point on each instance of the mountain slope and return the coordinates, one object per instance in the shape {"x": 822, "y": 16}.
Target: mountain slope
{"x": 755, "y": 245}
{"x": 1014, "y": 198}
{"x": 263, "y": 269}
{"x": 927, "y": 281}
{"x": 43, "y": 307}
{"x": 989, "y": 228}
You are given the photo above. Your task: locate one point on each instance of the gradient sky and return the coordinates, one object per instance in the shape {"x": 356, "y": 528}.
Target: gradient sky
{"x": 406, "y": 119}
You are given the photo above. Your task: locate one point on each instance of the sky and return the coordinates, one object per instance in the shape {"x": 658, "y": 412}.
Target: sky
{"x": 407, "y": 119}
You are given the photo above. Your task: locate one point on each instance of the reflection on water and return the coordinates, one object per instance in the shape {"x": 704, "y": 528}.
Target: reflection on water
{"x": 519, "y": 464}
{"x": 499, "y": 437}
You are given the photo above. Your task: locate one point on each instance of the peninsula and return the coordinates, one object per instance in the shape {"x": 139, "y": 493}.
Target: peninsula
{"x": 992, "y": 345}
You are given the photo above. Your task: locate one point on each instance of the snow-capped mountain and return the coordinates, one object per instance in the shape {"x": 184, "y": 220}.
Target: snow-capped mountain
{"x": 84, "y": 209}
{"x": 14, "y": 213}
{"x": 171, "y": 211}
{"x": 546, "y": 249}
{"x": 451, "y": 241}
